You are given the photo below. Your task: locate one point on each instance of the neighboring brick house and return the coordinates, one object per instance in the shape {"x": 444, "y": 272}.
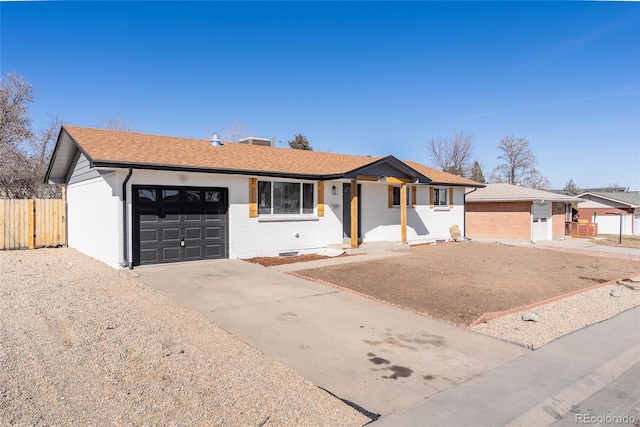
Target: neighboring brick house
{"x": 135, "y": 198}
{"x": 504, "y": 211}
{"x": 608, "y": 209}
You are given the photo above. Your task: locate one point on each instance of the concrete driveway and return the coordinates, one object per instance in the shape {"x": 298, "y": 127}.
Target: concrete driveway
{"x": 376, "y": 356}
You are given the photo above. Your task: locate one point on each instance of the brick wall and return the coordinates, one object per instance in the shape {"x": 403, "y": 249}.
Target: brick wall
{"x": 558, "y": 220}
{"x": 499, "y": 220}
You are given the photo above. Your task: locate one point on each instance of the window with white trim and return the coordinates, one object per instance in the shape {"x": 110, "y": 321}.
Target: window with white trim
{"x": 440, "y": 197}
{"x": 285, "y": 198}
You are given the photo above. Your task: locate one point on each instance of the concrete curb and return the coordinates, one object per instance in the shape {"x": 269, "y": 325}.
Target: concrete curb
{"x": 495, "y": 314}
{"x": 553, "y": 407}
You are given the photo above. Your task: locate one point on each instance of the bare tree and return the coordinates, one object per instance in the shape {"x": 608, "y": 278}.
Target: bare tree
{"x": 519, "y": 164}
{"x": 538, "y": 181}
{"x": 118, "y": 123}
{"x": 24, "y": 154}
{"x": 236, "y": 131}
{"x": 15, "y": 122}
{"x": 452, "y": 154}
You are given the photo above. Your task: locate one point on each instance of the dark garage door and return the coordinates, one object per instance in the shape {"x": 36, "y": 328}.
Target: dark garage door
{"x": 174, "y": 224}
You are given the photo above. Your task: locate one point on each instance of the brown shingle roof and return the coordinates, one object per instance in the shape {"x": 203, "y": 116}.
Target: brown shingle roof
{"x": 119, "y": 147}
{"x": 123, "y": 149}
{"x": 440, "y": 177}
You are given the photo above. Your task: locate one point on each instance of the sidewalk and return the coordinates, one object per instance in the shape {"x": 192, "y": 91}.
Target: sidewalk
{"x": 578, "y": 246}
{"x": 539, "y": 387}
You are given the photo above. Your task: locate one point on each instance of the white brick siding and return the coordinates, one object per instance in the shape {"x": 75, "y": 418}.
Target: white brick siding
{"x": 94, "y": 213}
{"x": 381, "y": 223}
{"x": 95, "y": 216}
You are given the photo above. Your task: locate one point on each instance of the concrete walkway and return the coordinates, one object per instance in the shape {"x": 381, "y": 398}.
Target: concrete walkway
{"x": 545, "y": 385}
{"x": 578, "y": 246}
{"x": 379, "y": 357}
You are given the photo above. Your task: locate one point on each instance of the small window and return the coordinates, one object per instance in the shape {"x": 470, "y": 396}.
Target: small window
{"x": 146, "y": 195}
{"x": 396, "y": 196}
{"x": 192, "y": 195}
{"x": 211, "y": 196}
{"x": 264, "y": 197}
{"x": 440, "y": 197}
{"x": 307, "y": 198}
{"x": 170, "y": 195}
{"x": 560, "y": 207}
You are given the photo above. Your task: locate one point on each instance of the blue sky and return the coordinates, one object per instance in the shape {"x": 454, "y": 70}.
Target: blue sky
{"x": 361, "y": 78}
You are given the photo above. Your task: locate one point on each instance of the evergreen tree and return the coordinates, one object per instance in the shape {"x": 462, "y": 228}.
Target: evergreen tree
{"x": 476, "y": 173}
{"x": 571, "y": 189}
{"x": 300, "y": 143}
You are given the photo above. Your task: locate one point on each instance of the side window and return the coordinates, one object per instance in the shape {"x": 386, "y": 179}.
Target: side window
{"x": 396, "y": 196}
{"x": 440, "y": 195}
{"x": 264, "y": 197}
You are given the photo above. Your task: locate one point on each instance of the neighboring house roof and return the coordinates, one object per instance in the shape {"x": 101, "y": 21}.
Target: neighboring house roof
{"x": 605, "y": 190}
{"x": 632, "y": 198}
{"x": 120, "y": 149}
{"x": 440, "y": 177}
{"x": 512, "y": 193}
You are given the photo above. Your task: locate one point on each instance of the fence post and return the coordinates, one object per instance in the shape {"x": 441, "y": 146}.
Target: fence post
{"x": 32, "y": 224}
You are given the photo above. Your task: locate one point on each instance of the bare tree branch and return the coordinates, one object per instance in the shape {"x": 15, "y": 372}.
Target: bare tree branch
{"x": 519, "y": 164}
{"x": 118, "y": 123}
{"x": 236, "y": 131}
{"x": 24, "y": 154}
{"x": 452, "y": 154}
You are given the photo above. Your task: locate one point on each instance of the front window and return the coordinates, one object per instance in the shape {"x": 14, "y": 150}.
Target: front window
{"x": 440, "y": 197}
{"x": 285, "y": 198}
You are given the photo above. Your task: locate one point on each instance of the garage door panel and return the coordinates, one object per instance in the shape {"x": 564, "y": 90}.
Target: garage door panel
{"x": 214, "y": 251}
{"x": 171, "y": 234}
{"x": 149, "y": 217}
{"x": 193, "y": 252}
{"x": 172, "y": 215}
{"x": 149, "y": 256}
{"x": 171, "y": 254}
{"x": 214, "y": 232}
{"x": 193, "y": 216}
{"x": 191, "y": 233}
{"x": 182, "y": 224}
{"x": 149, "y": 236}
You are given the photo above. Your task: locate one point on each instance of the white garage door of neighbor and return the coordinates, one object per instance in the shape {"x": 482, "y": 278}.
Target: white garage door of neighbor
{"x": 541, "y": 217}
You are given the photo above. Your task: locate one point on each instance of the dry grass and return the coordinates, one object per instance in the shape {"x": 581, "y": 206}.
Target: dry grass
{"x": 612, "y": 240}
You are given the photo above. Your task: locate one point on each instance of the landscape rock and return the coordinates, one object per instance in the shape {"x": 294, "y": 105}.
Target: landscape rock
{"x": 530, "y": 316}
{"x": 615, "y": 293}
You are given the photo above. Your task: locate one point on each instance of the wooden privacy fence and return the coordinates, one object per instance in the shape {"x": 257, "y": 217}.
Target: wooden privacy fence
{"x": 584, "y": 229}
{"x": 32, "y": 223}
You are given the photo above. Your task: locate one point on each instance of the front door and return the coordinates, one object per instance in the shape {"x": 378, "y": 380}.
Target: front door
{"x": 346, "y": 210}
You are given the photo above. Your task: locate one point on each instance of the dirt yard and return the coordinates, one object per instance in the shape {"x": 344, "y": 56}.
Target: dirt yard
{"x": 458, "y": 282}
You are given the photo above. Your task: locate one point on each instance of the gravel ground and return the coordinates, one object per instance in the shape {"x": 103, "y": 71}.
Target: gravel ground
{"x": 81, "y": 344}
{"x": 564, "y": 316}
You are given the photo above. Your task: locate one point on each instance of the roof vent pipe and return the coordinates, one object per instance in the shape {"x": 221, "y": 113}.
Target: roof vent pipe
{"x": 215, "y": 140}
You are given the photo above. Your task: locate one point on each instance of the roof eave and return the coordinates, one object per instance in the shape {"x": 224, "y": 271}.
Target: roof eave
{"x": 181, "y": 168}
{"x": 631, "y": 205}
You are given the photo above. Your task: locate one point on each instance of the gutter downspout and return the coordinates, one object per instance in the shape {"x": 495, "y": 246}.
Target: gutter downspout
{"x": 464, "y": 216}
{"x": 125, "y": 225}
